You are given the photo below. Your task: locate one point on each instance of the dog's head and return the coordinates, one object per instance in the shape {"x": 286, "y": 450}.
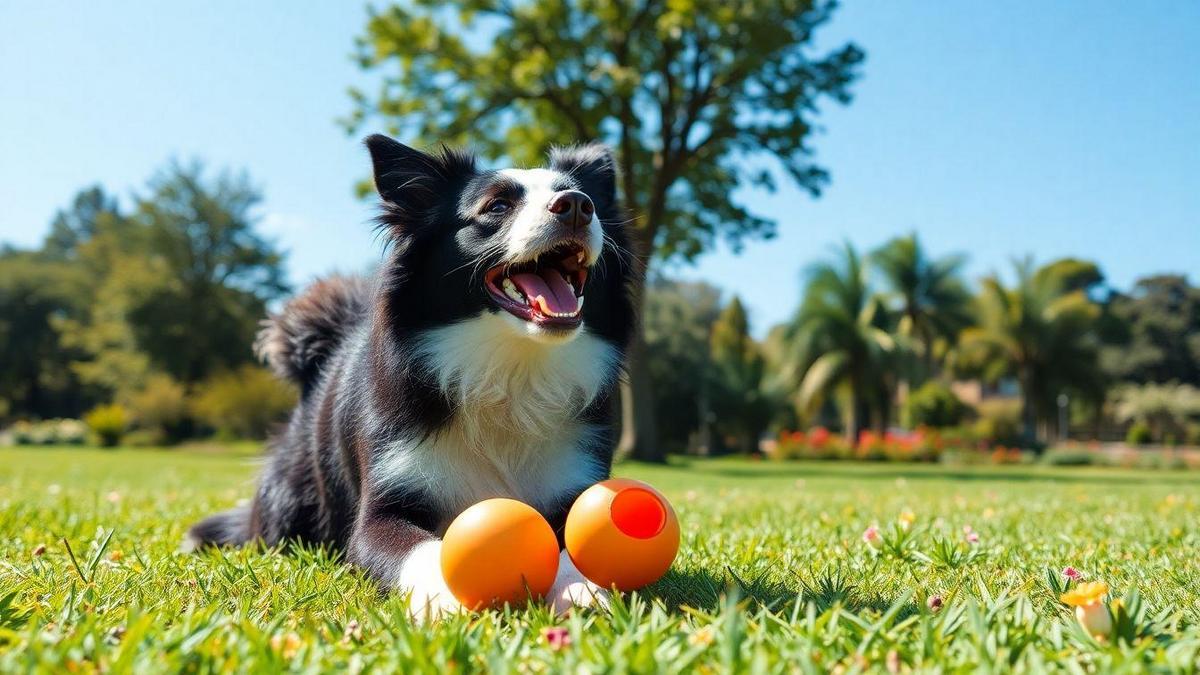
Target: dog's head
{"x": 540, "y": 247}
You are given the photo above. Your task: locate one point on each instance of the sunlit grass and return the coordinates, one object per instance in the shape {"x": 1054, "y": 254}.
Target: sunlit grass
{"x": 773, "y": 575}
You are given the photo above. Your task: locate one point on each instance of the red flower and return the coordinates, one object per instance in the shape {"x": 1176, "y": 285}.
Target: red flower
{"x": 818, "y": 437}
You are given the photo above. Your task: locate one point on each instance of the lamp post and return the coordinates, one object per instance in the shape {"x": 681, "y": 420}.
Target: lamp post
{"x": 1063, "y": 430}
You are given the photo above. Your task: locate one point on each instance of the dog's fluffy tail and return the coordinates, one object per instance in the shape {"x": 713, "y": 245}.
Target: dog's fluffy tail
{"x": 297, "y": 341}
{"x": 228, "y": 528}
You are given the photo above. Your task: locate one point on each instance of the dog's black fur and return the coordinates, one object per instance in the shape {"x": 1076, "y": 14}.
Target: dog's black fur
{"x": 348, "y": 343}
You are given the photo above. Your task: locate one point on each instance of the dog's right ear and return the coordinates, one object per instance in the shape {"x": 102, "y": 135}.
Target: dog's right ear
{"x": 411, "y": 182}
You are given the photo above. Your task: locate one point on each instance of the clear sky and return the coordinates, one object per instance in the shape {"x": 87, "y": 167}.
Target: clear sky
{"x": 994, "y": 129}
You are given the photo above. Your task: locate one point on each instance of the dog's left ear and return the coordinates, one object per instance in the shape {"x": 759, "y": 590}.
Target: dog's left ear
{"x": 593, "y": 166}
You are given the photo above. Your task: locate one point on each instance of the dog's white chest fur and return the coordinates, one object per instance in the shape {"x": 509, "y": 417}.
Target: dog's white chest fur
{"x": 515, "y": 431}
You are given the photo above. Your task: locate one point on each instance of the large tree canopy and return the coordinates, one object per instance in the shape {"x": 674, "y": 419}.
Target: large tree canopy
{"x": 685, "y": 91}
{"x": 1158, "y": 326}
{"x": 692, "y": 94}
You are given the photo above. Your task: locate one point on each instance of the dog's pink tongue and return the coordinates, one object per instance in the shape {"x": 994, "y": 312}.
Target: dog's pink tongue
{"x": 551, "y": 287}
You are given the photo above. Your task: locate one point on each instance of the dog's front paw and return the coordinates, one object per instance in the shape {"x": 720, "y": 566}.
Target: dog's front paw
{"x": 572, "y": 589}
{"x": 421, "y": 577}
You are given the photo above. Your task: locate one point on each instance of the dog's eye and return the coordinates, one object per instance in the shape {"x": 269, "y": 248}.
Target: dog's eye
{"x": 498, "y": 206}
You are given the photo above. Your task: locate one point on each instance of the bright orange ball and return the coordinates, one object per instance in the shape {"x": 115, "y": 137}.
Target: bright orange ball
{"x": 499, "y": 551}
{"x": 622, "y": 533}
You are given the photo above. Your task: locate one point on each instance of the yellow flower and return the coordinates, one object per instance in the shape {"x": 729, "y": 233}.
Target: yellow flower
{"x": 702, "y": 637}
{"x": 1087, "y": 593}
{"x": 1092, "y": 614}
{"x": 906, "y": 519}
{"x": 286, "y": 645}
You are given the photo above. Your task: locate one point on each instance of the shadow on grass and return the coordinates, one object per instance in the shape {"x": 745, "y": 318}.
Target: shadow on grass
{"x": 707, "y": 591}
{"x": 936, "y": 473}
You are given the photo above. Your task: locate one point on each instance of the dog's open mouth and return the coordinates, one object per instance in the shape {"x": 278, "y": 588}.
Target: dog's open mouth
{"x": 547, "y": 291}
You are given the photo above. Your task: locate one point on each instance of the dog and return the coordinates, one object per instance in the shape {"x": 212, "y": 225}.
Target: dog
{"x": 468, "y": 367}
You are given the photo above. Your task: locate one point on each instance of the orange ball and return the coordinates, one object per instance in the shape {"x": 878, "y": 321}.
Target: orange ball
{"x": 499, "y": 551}
{"x": 622, "y": 533}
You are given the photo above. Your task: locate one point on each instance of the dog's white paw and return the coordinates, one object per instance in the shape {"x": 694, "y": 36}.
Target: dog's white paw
{"x": 421, "y": 577}
{"x": 572, "y": 589}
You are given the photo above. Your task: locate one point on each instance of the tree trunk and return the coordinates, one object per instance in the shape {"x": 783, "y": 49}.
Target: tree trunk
{"x": 639, "y": 435}
{"x": 859, "y": 414}
{"x": 1028, "y": 413}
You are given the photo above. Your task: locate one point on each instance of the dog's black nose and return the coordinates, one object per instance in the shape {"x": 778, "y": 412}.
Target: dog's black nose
{"x": 572, "y": 208}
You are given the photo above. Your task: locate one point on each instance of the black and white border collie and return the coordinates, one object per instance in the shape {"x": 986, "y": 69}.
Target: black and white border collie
{"x": 470, "y": 367}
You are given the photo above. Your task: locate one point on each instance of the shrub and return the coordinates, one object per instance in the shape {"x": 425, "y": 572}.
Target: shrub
{"x": 108, "y": 423}
{"x": 243, "y": 404}
{"x": 161, "y": 407}
{"x": 49, "y": 432}
{"x": 1139, "y": 434}
{"x": 69, "y": 432}
{"x": 1072, "y": 457}
{"x": 1193, "y": 434}
{"x": 934, "y": 405}
{"x": 999, "y": 422}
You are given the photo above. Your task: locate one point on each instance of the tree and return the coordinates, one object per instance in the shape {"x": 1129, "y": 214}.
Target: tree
{"x": 1042, "y": 331}
{"x": 686, "y": 93}
{"x": 222, "y": 272}
{"x": 931, "y": 299}
{"x": 841, "y": 343}
{"x": 35, "y": 380}
{"x": 678, "y": 320}
{"x": 76, "y": 224}
{"x": 740, "y": 400}
{"x": 1158, "y": 332}
{"x": 179, "y": 286}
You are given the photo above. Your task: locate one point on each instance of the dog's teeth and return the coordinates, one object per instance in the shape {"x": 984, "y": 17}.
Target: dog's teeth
{"x": 510, "y": 289}
{"x": 579, "y": 257}
{"x": 579, "y": 305}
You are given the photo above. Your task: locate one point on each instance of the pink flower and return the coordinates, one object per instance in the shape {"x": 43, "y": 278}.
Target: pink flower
{"x": 872, "y": 537}
{"x": 934, "y": 603}
{"x": 972, "y": 537}
{"x": 1071, "y": 573}
{"x": 557, "y": 637}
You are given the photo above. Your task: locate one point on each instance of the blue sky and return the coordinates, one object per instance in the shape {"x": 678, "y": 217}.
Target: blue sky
{"x": 994, "y": 129}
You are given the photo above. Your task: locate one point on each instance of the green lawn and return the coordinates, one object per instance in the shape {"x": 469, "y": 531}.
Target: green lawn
{"x": 773, "y": 576}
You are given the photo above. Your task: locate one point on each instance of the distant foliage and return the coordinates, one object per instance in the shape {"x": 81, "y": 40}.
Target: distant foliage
{"x": 1139, "y": 434}
{"x": 999, "y": 421}
{"x": 161, "y": 408}
{"x": 246, "y": 403}
{"x": 108, "y": 423}
{"x": 934, "y": 405}
{"x": 1163, "y": 410}
{"x": 742, "y": 406}
{"x": 1153, "y": 332}
{"x": 49, "y": 432}
{"x": 678, "y": 321}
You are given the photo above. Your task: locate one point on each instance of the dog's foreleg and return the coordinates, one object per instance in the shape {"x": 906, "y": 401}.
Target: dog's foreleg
{"x": 403, "y": 557}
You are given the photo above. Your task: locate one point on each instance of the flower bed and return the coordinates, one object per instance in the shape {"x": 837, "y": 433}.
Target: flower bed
{"x": 921, "y": 445}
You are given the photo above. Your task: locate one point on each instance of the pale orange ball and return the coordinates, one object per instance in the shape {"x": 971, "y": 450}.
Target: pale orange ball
{"x": 622, "y": 533}
{"x": 498, "y": 551}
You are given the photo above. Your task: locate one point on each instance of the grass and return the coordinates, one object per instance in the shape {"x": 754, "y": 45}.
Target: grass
{"x": 773, "y": 576}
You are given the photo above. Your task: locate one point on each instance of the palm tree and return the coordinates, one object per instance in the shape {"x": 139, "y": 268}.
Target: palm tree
{"x": 933, "y": 302}
{"x": 1041, "y": 331}
{"x": 840, "y": 343}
